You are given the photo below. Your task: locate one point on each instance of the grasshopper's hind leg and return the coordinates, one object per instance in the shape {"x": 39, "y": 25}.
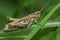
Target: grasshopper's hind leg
{"x": 11, "y": 19}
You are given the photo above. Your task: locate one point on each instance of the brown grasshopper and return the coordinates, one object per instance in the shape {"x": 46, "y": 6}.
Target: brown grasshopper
{"x": 24, "y": 22}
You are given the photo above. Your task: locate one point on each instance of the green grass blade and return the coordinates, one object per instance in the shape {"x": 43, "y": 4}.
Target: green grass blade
{"x": 50, "y": 14}
{"x": 32, "y": 34}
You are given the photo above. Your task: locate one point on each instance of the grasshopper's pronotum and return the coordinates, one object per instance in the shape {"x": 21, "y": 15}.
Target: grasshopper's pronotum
{"x": 24, "y": 22}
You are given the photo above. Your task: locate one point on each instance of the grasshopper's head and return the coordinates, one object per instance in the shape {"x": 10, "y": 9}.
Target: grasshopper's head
{"x": 36, "y": 14}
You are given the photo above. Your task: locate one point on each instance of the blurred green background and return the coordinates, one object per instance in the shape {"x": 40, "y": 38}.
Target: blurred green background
{"x": 21, "y": 8}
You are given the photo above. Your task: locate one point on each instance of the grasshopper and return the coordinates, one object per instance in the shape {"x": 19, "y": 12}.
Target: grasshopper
{"x": 24, "y": 22}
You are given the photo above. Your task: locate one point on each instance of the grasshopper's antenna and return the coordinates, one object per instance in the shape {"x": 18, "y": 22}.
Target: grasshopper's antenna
{"x": 41, "y": 11}
{"x": 43, "y": 7}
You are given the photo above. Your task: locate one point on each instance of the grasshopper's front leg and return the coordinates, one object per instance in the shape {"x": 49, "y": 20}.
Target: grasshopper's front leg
{"x": 11, "y": 19}
{"x": 31, "y": 21}
{"x": 37, "y": 23}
